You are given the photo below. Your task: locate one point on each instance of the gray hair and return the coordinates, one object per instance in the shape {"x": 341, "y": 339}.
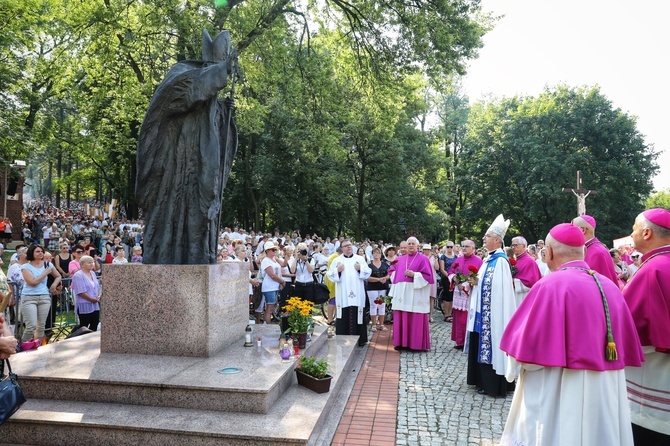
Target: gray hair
{"x": 660, "y": 231}
{"x": 85, "y": 259}
{"x": 520, "y": 240}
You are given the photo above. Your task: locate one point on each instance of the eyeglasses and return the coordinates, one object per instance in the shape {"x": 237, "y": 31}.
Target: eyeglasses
{"x": 79, "y": 252}
{"x": 450, "y": 247}
{"x": 466, "y": 246}
{"x": 514, "y": 245}
{"x": 345, "y": 246}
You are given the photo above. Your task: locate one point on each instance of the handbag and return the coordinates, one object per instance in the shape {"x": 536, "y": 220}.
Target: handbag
{"x": 321, "y": 293}
{"x": 11, "y": 394}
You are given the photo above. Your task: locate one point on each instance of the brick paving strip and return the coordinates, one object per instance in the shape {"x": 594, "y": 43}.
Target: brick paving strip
{"x": 419, "y": 398}
{"x": 369, "y": 417}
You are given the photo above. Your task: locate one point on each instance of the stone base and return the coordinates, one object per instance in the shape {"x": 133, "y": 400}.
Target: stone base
{"x": 175, "y": 310}
{"x": 76, "y": 395}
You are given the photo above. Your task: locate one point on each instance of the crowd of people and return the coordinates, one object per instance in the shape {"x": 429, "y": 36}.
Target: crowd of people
{"x": 578, "y": 331}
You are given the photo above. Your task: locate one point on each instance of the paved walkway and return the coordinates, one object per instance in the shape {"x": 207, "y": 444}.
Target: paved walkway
{"x": 423, "y": 396}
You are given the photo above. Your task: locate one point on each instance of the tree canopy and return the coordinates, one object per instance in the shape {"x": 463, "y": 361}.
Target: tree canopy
{"x": 520, "y": 153}
{"x": 333, "y": 110}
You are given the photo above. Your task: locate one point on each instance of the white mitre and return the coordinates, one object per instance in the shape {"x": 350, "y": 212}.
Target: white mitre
{"x": 499, "y": 226}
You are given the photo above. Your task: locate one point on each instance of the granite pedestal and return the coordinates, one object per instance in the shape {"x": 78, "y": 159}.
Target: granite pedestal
{"x": 175, "y": 310}
{"x": 160, "y": 371}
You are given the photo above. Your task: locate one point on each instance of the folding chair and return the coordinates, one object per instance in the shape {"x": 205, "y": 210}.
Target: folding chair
{"x": 67, "y": 319}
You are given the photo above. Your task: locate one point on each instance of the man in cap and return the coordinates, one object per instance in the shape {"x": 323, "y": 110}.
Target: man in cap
{"x": 636, "y": 258}
{"x": 572, "y": 384}
{"x": 491, "y": 307}
{"x": 597, "y": 255}
{"x": 527, "y": 271}
{"x": 411, "y": 298}
{"x": 349, "y": 272}
{"x": 647, "y": 294}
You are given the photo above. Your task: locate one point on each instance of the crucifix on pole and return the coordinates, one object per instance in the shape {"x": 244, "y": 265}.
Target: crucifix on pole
{"x": 580, "y": 193}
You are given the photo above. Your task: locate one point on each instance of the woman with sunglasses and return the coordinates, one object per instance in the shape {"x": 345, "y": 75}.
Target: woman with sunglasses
{"x": 74, "y": 266}
{"x": 35, "y": 295}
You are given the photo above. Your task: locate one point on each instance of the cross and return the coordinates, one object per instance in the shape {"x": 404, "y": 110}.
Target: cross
{"x": 580, "y": 193}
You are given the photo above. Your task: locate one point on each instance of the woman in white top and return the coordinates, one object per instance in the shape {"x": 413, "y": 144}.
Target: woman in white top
{"x": 35, "y": 296}
{"x": 272, "y": 280}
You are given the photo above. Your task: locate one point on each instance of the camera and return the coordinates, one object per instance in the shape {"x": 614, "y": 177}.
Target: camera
{"x": 303, "y": 252}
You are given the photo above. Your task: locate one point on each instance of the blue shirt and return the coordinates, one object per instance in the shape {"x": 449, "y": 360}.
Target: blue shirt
{"x": 40, "y": 288}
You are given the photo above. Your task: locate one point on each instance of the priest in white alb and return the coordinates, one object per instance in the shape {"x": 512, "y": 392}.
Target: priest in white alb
{"x": 349, "y": 272}
{"x": 413, "y": 275}
{"x": 572, "y": 336}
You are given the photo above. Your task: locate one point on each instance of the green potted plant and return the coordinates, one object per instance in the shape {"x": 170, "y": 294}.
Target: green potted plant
{"x": 313, "y": 374}
{"x": 299, "y": 312}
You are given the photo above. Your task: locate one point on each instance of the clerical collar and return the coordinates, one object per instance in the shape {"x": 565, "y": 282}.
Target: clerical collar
{"x": 348, "y": 256}
{"x": 492, "y": 252}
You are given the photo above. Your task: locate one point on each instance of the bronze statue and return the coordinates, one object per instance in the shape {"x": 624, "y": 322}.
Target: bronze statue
{"x": 185, "y": 151}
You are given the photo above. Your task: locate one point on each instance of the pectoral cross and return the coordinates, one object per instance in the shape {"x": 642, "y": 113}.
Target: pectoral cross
{"x": 580, "y": 193}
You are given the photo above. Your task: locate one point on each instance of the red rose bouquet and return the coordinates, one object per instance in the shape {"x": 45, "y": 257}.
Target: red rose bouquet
{"x": 472, "y": 275}
{"x": 513, "y": 267}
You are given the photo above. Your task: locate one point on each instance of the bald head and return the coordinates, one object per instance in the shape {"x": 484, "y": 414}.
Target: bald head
{"x": 587, "y": 228}
{"x": 558, "y": 253}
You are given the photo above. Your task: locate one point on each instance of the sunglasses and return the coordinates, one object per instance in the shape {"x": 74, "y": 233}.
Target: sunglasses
{"x": 450, "y": 247}
{"x": 79, "y": 252}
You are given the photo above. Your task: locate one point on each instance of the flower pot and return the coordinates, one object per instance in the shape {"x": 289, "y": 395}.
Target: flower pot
{"x": 317, "y": 385}
{"x": 300, "y": 339}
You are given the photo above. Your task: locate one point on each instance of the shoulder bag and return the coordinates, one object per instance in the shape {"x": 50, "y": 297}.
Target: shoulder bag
{"x": 11, "y": 394}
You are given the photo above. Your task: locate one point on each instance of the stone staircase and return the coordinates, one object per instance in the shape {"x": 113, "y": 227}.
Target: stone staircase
{"x": 76, "y": 395}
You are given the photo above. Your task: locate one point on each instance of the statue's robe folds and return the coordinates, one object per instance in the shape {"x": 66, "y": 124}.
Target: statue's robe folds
{"x": 186, "y": 148}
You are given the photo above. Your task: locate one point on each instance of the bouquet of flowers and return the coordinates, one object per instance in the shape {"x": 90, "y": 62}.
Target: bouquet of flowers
{"x": 472, "y": 275}
{"x": 512, "y": 264}
{"x": 299, "y": 313}
{"x": 459, "y": 277}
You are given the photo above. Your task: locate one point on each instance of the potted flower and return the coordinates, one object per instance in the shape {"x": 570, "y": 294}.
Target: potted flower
{"x": 313, "y": 374}
{"x": 299, "y": 312}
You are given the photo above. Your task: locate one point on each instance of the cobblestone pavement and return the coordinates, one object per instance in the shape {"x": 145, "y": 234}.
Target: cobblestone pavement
{"x": 436, "y": 406}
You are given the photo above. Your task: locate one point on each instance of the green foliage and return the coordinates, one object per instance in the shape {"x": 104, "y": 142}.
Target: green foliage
{"x": 520, "y": 153}
{"x": 318, "y": 368}
{"x": 327, "y": 111}
{"x": 660, "y": 199}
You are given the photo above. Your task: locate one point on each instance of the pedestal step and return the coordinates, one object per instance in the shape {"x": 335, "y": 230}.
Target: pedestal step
{"x": 75, "y": 370}
{"x": 293, "y": 419}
